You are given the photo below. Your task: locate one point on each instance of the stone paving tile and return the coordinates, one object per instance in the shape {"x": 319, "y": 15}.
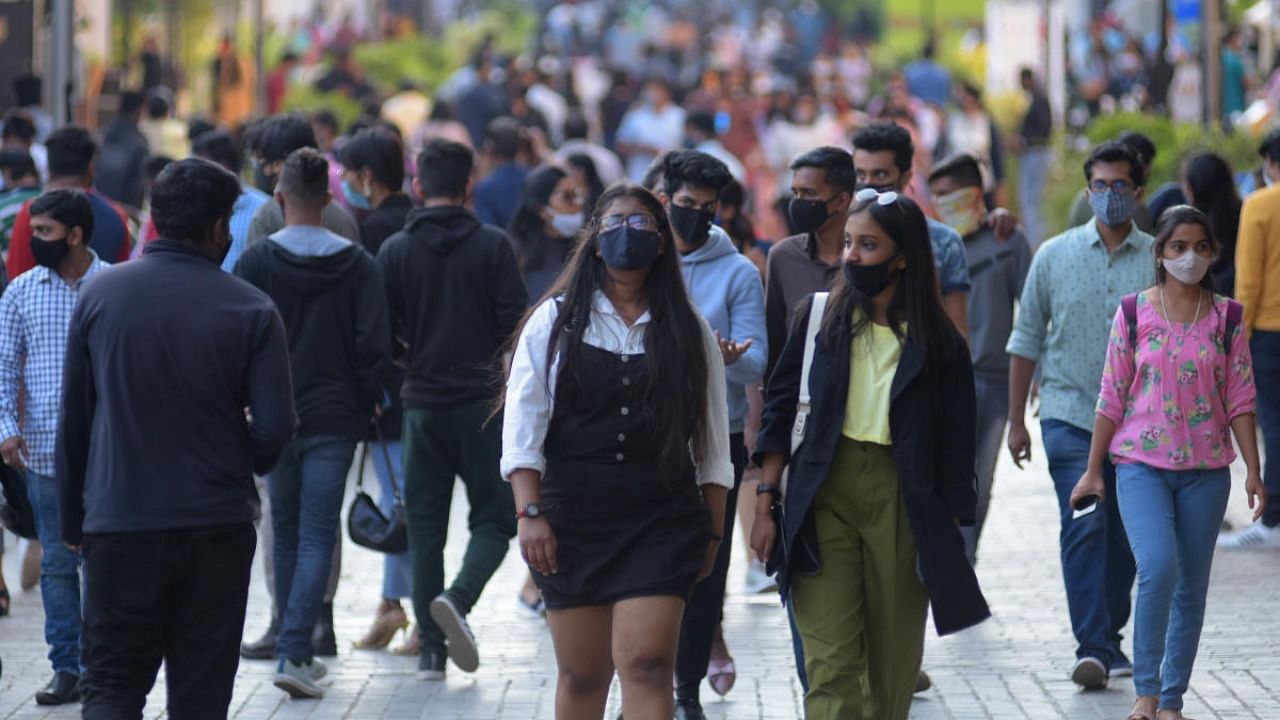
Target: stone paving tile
{"x": 1013, "y": 667}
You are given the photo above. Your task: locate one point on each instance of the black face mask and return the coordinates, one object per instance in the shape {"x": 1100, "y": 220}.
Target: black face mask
{"x": 691, "y": 224}
{"x": 870, "y": 280}
{"x": 626, "y": 248}
{"x": 49, "y": 253}
{"x": 808, "y": 215}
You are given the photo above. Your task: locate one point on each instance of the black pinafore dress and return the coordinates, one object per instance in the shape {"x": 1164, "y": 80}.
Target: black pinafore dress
{"x": 621, "y": 531}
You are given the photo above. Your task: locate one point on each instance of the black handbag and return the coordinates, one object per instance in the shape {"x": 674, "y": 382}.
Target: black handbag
{"x": 15, "y": 509}
{"x": 366, "y": 524}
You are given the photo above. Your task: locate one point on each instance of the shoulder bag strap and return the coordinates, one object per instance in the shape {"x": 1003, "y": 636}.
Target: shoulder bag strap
{"x": 386, "y": 458}
{"x": 804, "y": 405}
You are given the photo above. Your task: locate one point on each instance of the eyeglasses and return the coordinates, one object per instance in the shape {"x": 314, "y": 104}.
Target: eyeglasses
{"x": 638, "y": 221}
{"x": 887, "y": 197}
{"x": 572, "y": 197}
{"x": 1122, "y": 187}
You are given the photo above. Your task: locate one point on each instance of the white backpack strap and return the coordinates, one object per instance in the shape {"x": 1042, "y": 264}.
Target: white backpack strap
{"x": 804, "y": 405}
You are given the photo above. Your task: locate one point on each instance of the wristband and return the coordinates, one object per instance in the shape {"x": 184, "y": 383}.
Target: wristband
{"x": 769, "y": 489}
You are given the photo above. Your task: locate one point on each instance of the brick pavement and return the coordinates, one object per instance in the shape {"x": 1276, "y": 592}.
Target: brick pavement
{"x": 1013, "y": 666}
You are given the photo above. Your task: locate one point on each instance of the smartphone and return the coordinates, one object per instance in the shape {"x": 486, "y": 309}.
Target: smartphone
{"x": 1085, "y": 506}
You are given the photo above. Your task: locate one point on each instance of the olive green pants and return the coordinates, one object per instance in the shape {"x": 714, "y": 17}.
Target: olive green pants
{"x": 862, "y": 617}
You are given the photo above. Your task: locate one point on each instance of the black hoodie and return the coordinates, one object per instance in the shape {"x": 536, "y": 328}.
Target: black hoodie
{"x": 454, "y": 296}
{"x": 336, "y": 320}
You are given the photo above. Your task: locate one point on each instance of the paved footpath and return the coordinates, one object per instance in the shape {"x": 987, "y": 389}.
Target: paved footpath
{"x": 1013, "y": 666}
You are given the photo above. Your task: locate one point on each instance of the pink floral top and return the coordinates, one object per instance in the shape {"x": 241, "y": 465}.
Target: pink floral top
{"x": 1174, "y": 410}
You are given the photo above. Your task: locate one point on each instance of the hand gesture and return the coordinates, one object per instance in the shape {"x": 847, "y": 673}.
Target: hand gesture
{"x": 1019, "y": 443}
{"x": 14, "y": 452}
{"x": 1089, "y": 485}
{"x": 731, "y": 350}
{"x": 538, "y": 545}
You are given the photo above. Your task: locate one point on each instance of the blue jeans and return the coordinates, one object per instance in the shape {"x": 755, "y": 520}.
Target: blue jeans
{"x": 59, "y": 577}
{"x": 1097, "y": 564}
{"x": 1033, "y": 172}
{"x": 306, "y": 489}
{"x": 1265, "y": 348}
{"x": 1173, "y": 518}
{"x": 397, "y": 570}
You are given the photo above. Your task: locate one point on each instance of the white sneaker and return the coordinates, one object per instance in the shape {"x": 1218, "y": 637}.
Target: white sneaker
{"x": 759, "y": 582}
{"x": 1089, "y": 673}
{"x": 1256, "y": 535}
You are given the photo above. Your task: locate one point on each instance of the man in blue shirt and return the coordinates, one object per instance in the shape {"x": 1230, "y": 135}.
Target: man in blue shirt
{"x": 34, "y": 314}
{"x": 498, "y": 194}
{"x": 928, "y": 80}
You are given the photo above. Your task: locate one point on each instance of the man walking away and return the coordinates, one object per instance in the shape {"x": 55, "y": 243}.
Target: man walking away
{"x": 188, "y": 367}
{"x": 34, "y": 314}
{"x": 330, "y": 297}
{"x": 454, "y": 296}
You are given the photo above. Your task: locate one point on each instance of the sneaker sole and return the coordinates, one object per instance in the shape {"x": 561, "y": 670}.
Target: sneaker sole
{"x": 461, "y": 646}
{"x": 431, "y": 675}
{"x": 296, "y": 688}
{"x": 1121, "y": 672}
{"x": 1090, "y": 675}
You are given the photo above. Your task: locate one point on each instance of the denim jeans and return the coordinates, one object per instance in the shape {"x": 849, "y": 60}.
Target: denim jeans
{"x": 1173, "y": 518}
{"x": 1033, "y": 172}
{"x": 59, "y": 577}
{"x": 306, "y": 489}
{"x": 397, "y": 571}
{"x": 1097, "y": 564}
{"x": 1265, "y": 348}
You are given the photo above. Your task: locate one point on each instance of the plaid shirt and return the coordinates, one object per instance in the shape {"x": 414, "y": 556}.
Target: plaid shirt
{"x": 35, "y": 313}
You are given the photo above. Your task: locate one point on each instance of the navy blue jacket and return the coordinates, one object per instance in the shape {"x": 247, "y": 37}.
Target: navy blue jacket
{"x": 164, "y": 356}
{"x": 931, "y": 417}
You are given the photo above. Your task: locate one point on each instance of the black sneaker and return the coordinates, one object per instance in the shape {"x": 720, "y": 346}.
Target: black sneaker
{"x": 431, "y": 665}
{"x": 62, "y": 689}
{"x": 689, "y": 710}
{"x": 461, "y": 641}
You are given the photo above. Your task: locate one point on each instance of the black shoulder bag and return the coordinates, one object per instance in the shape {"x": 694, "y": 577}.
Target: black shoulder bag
{"x": 366, "y": 524}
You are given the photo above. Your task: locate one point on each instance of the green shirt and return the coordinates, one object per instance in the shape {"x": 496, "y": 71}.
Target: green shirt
{"x": 11, "y": 201}
{"x": 1064, "y": 318}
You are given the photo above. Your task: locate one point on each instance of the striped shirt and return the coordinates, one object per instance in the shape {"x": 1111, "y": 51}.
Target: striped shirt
{"x": 35, "y": 312}
{"x": 11, "y": 201}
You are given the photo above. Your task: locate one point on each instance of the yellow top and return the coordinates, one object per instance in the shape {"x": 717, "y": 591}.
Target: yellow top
{"x": 873, "y": 360}
{"x": 1258, "y": 260}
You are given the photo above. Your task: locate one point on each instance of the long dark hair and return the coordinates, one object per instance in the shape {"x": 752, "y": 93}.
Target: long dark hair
{"x": 1170, "y": 220}
{"x": 527, "y": 227}
{"x": 915, "y": 301}
{"x": 1213, "y": 192}
{"x": 675, "y": 400}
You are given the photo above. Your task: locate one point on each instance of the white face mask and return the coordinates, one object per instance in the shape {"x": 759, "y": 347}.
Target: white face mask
{"x": 566, "y": 224}
{"x": 1189, "y": 267}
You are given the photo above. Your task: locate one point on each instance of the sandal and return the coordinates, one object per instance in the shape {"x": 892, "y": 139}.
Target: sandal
{"x": 1139, "y": 714}
{"x": 412, "y": 646}
{"x": 384, "y": 629}
{"x": 1170, "y": 714}
{"x": 537, "y": 607}
{"x": 721, "y": 674}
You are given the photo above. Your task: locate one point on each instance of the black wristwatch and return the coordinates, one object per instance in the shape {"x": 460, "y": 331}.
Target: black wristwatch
{"x": 531, "y": 510}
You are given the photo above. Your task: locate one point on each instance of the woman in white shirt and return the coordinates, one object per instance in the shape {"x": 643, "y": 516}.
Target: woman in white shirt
{"x": 616, "y": 444}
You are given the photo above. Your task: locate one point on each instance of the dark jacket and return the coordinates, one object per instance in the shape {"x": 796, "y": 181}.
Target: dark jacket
{"x": 934, "y": 459}
{"x": 335, "y": 316}
{"x": 386, "y": 220}
{"x": 164, "y": 355}
{"x": 455, "y": 297}
{"x": 120, "y": 170}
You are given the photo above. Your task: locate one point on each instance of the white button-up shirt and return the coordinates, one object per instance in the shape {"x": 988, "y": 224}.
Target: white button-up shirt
{"x": 531, "y": 391}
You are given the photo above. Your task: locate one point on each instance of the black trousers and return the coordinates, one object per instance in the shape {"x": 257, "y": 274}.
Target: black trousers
{"x": 702, "y": 614}
{"x": 175, "y": 596}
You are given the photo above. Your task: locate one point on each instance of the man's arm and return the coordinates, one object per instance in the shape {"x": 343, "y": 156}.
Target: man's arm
{"x": 775, "y": 315}
{"x": 12, "y": 349}
{"x": 1026, "y": 343}
{"x": 1250, "y": 259}
{"x": 373, "y": 339}
{"x": 746, "y": 323}
{"x": 956, "y": 305}
{"x": 75, "y": 426}
{"x": 270, "y": 395}
{"x": 511, "y": 298}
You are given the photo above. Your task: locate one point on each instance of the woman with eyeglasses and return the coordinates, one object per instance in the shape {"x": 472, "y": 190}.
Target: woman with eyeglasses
{"x": 616, "y": 445}
{"x": 544, "y": 226}
{"x": 1178, "y": 384}
{"x": 883, "y": 479}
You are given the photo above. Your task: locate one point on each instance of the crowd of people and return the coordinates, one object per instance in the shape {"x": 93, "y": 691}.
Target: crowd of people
{"x": 630, "y": 328}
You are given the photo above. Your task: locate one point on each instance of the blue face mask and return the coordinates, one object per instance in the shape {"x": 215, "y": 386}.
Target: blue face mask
{"x": 355, "y": 199}
{"x": 1113, "y": 208}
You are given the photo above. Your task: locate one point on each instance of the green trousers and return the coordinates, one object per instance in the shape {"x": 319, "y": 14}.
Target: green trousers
{"x": 862, "y": 617}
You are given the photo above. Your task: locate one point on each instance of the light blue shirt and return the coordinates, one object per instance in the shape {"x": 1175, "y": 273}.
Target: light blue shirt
{"x": 242, "y": 214}
{"x": 1068, "y": 305}
{"x": 949, "y": 257}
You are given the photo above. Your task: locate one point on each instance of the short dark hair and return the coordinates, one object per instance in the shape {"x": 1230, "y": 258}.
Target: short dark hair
{"x": 131, "y": 102}
{"x": 69, "y": 207}
{"x": 575, "y": 126}
{"x": 652, "y": 180}
{"x": 156, "y": 165}
{"x": 1140, "y": 144}
{"x": 325, "y": 118}
{"x": 27, "y": 89}
{"x": 304, "y": 177}
{"x": 887, "y": 136}
{"x": 837, "y": 163}
{"x": 962, "y": 168}
{"x": 1270, "y": 147}
{"x": 190, "y": 196}
{"x": 18, "y": 124}
{"x": 18, "y": 163}
{"x": 71, "y": 151}
{"x": 1027, "y": 73}
{"x": 198, "y": 126}
{"x": 1115, "y": 151}
{"x": 502, "y": 138}
{"x": 379, "y": 150}
{"x": 444, "y": 168}
{"x": 693, "y": 169}
{"x": 157, "y": 106}
{"x": 220, "y": 147}
{"x": 703, "y": 122}
{"x": 279, "y": 136}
